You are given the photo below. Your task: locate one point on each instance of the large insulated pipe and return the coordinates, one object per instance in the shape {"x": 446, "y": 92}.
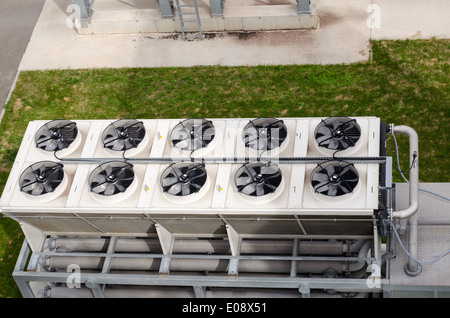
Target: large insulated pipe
{"x": 412, "y": 268}
{"x": 211, "y": 265}
{"x": 150, "y": 245}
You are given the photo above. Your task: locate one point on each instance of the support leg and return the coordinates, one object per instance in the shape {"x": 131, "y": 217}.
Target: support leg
{"x": 166, "y": 8}
{"x": 304, "y": 6}
{"x": 85, "y": 8}
{"x": 235, "y": 246}
{"x": 217, "y": 7}
{"x": 167, "y": 242}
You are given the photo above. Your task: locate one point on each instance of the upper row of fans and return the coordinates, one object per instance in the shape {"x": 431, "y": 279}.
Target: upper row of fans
{"x": 265, "y": 133}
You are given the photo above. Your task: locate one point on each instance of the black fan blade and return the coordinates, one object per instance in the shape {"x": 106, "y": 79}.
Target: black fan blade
{"x": 56, "y": 135}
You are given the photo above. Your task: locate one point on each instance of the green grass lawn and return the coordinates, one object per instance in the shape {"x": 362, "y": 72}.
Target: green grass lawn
{"x": 406, "y": 84}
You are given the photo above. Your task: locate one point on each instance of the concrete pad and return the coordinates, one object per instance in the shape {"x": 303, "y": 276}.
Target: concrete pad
{"x": 342, "y": 37}
{"x": 413, "y": 19}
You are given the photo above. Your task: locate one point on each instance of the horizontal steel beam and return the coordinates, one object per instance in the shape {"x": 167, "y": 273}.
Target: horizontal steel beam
{"x": 338, "y": 284}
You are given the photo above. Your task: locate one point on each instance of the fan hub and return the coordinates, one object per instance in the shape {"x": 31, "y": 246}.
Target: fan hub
{"x": 124, "y": 135}
{"x": 41, "y": 178}
{"x": 111, "y": 178}
{"x": 338, "y": 134}
{"x": 335, "y": 178}
{"x": 184, "y": 178}
{"x": 258, "y": 178}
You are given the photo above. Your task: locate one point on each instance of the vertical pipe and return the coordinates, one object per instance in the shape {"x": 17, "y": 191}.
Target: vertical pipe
{"x": 412, "y": 268}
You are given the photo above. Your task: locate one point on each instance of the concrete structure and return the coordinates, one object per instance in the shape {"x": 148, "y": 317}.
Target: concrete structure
{"x": 120, "y": 18}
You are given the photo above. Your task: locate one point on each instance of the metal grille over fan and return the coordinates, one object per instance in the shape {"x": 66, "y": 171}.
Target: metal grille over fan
{"x": 56, "y": 135}
{"x": 123, "y": 134}
{"x": 258, "y": 179}
{"x": 264, "y": 133}
{"x": 337, "y": 133}
{"x": 41, "y": 178}
{"x": 182, "y": 179}
{"x": 334, "y": 178}
{"x": 192, "y": 134}
{"x": 111, "y": 178}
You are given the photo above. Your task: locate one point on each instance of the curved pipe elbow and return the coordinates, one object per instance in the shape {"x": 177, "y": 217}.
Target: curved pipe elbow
{"x": 413, "y": 173}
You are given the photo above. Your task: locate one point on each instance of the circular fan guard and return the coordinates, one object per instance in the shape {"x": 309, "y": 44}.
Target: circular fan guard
{"x": 56, "y": 135}
{"x": 257, "y": 179}
{"x": 182, "y": 179}
{"x": 265, "y": 133}
{"x": 111, "y": 178}
{"x": 123, "y": 134}
{"x": 41, "y": 178}
{"x": 334, "y": 178}
{"x": 192, "y": 134}
{"x": 337, "y": 133}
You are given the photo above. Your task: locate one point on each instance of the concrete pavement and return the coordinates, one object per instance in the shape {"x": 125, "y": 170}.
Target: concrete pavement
{"x": 17, "y": 21}
{"x": 342, "y": 37}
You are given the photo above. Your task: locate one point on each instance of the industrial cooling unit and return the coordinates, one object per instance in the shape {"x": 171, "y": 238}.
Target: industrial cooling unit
{"x": 201, "y": 207}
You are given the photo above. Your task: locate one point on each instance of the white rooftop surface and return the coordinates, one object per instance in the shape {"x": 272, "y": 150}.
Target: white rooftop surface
{"x": 342, "y": 37}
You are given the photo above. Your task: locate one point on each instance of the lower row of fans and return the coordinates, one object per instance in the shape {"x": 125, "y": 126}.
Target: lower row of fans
{"x": 332, "y": 178}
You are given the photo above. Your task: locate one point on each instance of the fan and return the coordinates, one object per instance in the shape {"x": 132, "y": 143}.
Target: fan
{"x": 264, "y": 133}
{"x": 123, "y": 134}
{"x": 257, "y": 179}
{"x": 111, "y": 178}
{"x": 56, "y": 135}
{"x": 182, "y": 179}
{"x": 337, "y": 133}
{"x": 334, "y": 178}
{"x": 41, "y": 178}
{"x": 192, "y": 134}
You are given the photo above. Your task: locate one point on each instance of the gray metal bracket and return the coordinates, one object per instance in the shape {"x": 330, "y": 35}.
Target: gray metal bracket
{"x": 294, "y": 261}
{"x": 304, "y": 6}
{"x": 95, "y": 287}
{"x": 166, "y": 7}
{"x": 217, "y": 7}
{"x": 235, "y": 246}
{"x": 85, "y": 8}
{"x": 167, "y": 242}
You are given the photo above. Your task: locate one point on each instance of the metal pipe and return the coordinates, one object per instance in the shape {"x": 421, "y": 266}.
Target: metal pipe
{"x": 210, "y": 265}
{"x": 434, "y": 221}
{"x": 412, "y": 268}
{"x": 192, "y": 265}
{"x": 149, "y": 245}
{"x": 413, "y": 172}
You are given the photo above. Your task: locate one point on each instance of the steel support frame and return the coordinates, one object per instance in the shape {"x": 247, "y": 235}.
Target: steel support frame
{"x": 97, "y": 281}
